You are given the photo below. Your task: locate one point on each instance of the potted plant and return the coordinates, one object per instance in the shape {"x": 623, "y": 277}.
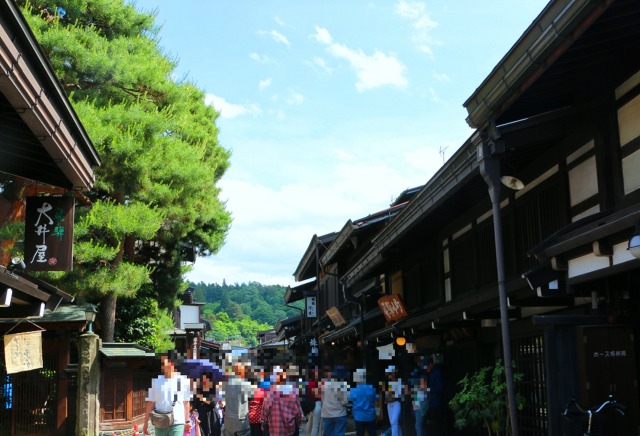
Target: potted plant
{"x": 482, "y": 400}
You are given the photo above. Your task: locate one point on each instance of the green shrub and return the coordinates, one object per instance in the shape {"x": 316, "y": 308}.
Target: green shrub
{"x": 482, "y": 400}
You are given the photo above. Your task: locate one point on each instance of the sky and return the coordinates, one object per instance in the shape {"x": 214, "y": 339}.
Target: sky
{"x": 330, "y": 108}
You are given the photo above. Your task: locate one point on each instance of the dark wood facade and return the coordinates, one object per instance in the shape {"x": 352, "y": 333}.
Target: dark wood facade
{"x": 42, "y": 401}
{"x": 126, "y": 373}
{"x": 561, "y": 112}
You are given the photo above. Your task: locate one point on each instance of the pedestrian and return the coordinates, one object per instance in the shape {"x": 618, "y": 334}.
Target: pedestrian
{"x": 169, "y": 393}
{"x": 194, "y": 418}
{"x": 363, "y": 398}
{"x": 256, "y": 402}
{"x": 204, "y": 376}
{"x": 437, "y": 403}
{"x": 394, "y": 393}
{"x": 314, "y": 417}
{"x": 335, "y": 396}
{"x": 281, "y": 412}
{"x": 210, "y": 421}
{"x": 236, "y": 391}
{"x": 419, "y": 398}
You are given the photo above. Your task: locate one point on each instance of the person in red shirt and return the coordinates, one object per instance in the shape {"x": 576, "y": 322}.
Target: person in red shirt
{"x": 314, "y": 423}
{"x": 281, "y": 408}
{"x": 256, "y": 402}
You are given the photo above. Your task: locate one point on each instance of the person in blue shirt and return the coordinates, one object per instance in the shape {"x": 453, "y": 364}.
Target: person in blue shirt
{"x": 363, "y": 399}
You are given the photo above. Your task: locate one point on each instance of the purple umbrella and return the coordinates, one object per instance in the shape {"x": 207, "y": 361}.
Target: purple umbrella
{"x": 195, "y": 368}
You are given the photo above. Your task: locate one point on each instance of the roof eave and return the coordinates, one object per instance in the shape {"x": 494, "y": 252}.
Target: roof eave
{"x": 337, "y": 244}
{"x": 34, "y": 87}
{"x": 550, "y": 34}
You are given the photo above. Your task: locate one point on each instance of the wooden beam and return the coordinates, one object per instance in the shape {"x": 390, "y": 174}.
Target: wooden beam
{"x": 22, "y": 311}
{"x": 602, "y": 248}
{"x": 5, "y": 297}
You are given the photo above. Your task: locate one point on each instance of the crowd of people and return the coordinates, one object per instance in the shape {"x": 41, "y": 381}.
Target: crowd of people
{"x": 236, "y": 397}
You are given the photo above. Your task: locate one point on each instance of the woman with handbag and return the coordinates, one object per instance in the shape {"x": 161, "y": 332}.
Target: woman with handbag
{"x": 168, "y": 402}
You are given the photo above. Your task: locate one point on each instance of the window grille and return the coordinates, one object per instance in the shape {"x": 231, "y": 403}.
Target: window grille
{"x": 29, "y": 398}
{"x": 528, "y": 355}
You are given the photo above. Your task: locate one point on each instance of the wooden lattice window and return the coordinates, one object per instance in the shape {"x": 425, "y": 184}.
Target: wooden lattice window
{"x": 29, "y": 399}
{"x": 113, "y": 402}
{"x": 538, "y": 215}
{"x": 140, "y": 387}
{"x": 528, "y": 354}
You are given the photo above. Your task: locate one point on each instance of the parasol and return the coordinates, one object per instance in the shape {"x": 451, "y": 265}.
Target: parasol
{"x": 195, "y": 368}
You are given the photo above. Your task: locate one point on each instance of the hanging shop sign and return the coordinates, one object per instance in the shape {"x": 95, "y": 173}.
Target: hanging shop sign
{"x": 335, "y": 316}
{"x": 313, "y": 347}
{"x": 23, "y": 351}
{"x": 392, "y": 307}
{"x": 48, "y": 239}
{"x": 311, "y": 307}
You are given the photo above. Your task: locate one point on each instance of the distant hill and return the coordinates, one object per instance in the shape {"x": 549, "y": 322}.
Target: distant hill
{"x": 239, "y": 311}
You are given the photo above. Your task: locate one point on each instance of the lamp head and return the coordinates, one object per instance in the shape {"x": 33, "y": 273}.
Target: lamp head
{"x": 512, "y": 182}
{"x": 17, "y": 263}
{"x": 634, "y": 242}
{"x": 90, "y": 313}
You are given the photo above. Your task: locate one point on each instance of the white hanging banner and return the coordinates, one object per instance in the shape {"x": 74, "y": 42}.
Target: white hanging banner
{"x": 23, "y": 351}
{"x": 386, "y": 352}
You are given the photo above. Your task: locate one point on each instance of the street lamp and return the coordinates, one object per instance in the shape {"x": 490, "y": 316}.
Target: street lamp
{"x": 90, "y": 313}
{"x": 489, "y": 166}
{"x": 634, "y": 242}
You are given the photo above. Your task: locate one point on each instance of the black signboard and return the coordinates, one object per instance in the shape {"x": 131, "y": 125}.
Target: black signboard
{"x": 48, "y": 240}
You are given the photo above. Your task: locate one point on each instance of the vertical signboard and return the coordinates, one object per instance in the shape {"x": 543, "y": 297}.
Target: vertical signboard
{"x": 48, "y": 236}
{"x": 311, "y": 307}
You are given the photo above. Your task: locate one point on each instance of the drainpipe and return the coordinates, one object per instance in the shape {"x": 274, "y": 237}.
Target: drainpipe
{"x": 489, "y": 166}
{"x": 301, "y": 324}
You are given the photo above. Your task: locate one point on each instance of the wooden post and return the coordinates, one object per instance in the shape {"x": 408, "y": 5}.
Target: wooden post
{"x": 88, "y": 404}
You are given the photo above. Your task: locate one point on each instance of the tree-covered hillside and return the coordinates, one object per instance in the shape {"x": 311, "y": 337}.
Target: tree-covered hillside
{"x": 239, "y": 311}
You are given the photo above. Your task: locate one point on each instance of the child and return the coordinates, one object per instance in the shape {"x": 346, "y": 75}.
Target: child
{"x": 195, "y": 422}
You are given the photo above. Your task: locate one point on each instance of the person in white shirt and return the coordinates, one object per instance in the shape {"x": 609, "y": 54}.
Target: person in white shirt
{"x": 169, "y": 392}
{"x": 394, "y": 400}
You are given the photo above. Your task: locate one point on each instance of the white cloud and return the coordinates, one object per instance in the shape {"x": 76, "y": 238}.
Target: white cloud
{"x": 319, "y": 65}
{"x": 372, "y": 71}
{"x": 263, "y": 59}
{"x": 214, "y": 269}
{"x": 322, "y": 35}
{"x": 433, "y": 95}
{"x": 342, "y": 154}
{"x": 416, "y": 12}
{"x": 295, "y": 99}
{"x": 264, "y": 84}
{"x": 425, "y": 160}
{"x": 231, "y": 110}
{"x": 441, "y": 77}
{"x": 276, "y": 36}
{"x": 273, "y": 224}
{"x": 279, "y": 21}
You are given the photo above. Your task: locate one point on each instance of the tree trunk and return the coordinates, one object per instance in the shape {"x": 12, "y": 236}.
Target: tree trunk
{"x": 108, "y": 317}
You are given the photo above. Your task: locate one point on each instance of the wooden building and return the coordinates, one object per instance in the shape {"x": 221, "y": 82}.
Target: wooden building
{"x": 42, "y": 143}
{"x": 560, "y": 116}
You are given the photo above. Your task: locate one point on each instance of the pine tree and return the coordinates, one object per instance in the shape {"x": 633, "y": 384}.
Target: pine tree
{"x": 156, "y": 191}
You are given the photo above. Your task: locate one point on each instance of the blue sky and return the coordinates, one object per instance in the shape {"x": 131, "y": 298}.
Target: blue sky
{"x": 330, "y": 108}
